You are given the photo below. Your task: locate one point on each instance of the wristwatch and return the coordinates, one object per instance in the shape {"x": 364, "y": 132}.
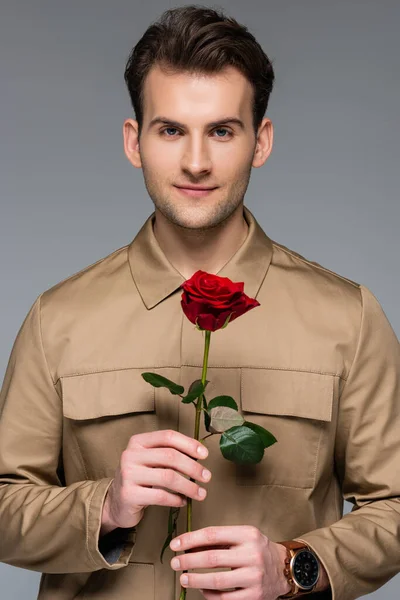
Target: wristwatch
{"x": 302, "y": 568}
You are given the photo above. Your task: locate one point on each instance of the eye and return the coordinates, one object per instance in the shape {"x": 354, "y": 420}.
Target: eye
{"x": 172, "y": 132}
{"x": 223, "y": 130}
{"x": 165, "y": 129}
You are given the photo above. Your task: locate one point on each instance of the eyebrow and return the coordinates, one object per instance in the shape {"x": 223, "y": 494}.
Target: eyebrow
{"x": 172, "y": 123}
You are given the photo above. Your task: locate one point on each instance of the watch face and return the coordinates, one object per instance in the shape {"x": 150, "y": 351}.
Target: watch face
{"x": 305, "y": 569}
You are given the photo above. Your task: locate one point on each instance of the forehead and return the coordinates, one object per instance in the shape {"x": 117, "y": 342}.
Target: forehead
{"x": 196, "y": 95}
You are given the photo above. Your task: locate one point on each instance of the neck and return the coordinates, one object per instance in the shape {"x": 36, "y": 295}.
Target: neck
{"x": 189, "y": 250}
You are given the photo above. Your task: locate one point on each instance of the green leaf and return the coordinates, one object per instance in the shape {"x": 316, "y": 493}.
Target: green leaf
{"x": 222, "y": 401}
{"x": 266, "y": 436}
{"x": 223, "y": 418}
{"x": 241, "y": 445}
{"x": 196, "y": 389}
{"x": 172, "y": 520}
{"x": 160, "y": 381}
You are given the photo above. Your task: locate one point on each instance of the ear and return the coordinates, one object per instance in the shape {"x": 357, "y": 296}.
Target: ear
{"x": 265, "y": 138}
{"x": 131, "y": 142}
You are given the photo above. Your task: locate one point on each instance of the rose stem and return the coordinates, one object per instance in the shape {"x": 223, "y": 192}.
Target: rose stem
{"x": 196, "y": 437}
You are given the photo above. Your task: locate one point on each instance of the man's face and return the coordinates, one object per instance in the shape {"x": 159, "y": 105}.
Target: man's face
{"x": 186, "y": 141}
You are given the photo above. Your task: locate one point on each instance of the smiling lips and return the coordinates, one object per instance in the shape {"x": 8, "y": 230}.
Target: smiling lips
{"x": 195, "y": 191}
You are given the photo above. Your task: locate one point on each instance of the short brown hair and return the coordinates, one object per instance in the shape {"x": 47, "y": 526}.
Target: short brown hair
{"x": 202, "y": 40}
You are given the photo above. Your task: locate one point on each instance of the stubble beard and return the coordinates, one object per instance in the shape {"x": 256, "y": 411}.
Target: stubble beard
{"x": 199, "y": 216}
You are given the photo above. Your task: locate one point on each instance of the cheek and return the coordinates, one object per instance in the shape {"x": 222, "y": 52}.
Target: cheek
{"x": 159, "y": 158}
{"x": 232, "y": 160}
{"x": 159, "y": 173}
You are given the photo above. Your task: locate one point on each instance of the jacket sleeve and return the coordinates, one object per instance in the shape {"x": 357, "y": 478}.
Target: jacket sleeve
{"x": 361, "y": 551}
{"x": 44, "y": 525}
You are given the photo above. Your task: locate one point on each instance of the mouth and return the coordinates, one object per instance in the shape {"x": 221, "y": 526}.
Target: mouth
{"x": 195, "y": 192}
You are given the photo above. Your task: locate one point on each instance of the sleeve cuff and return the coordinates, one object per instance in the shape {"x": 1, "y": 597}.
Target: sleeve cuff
{"x": 113, "y": 550}
{"x": 112, "y": 545}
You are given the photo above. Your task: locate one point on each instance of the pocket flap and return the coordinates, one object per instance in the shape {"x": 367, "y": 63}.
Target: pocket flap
{"x": 107, "y": 393}
{"x": 284, "y": 392}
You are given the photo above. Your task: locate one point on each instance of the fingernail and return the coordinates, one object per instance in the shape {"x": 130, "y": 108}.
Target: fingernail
{"x": 184, "y": 579}
{"x": 175, "y": 544}
{"x": 202, "y": 450}
{"x": 206, "y": 474}
{"x": 202, "y": 493}
{"x": 175, "y": 563}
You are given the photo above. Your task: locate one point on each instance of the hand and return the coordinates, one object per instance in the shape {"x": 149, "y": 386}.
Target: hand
{"x": 152, "y": 461}
{"x": 257, "y": 563}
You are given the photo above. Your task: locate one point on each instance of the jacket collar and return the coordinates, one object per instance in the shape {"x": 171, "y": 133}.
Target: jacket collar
{"x": 156, "y": 278}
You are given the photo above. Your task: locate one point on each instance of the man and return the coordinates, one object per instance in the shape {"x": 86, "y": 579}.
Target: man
{"x": 92, "y": 457}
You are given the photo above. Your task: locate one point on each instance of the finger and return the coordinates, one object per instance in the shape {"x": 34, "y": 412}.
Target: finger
{"x": 148, "y": 496}
{"x": 215, "y": 535}
{"x": 245, "y": 577}
{"x": 170, "y": 479}
{"x": 172, "y": 439}
{"x": 169, "y": 457}
{"x": 212, "y": 559}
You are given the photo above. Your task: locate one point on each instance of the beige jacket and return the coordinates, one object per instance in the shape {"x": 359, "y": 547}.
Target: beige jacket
{"x": 317, "y": 364}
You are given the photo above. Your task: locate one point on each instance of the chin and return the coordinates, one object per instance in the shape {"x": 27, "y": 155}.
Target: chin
{"x": 189, "y": 218}
{"x": 194, "y": 224}
{"x": 199, "y": 214}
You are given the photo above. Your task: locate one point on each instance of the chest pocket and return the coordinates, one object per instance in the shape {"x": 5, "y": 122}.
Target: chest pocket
{"x": 296, "y": 407}
{"x": 101, "y": 412}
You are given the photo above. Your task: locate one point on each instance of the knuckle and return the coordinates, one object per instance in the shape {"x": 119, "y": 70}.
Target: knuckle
{"x": 133, "y": 442}
{"x": 213, "y": 558}
{"x": 170, "y": 455}
{"x": 169, "y": 436}
{"x": 258, "y": 576}
{"x": 253, "y": 533}
{"x": 124, "y": 458}
{"x": 168, "y": 476}
{"x": 125, "y": 471}
{"x": 161, "y": 497}
{"x": 211, "y": 534}
{"x": 220, "y": 581}
{"x": 124, "y": 474}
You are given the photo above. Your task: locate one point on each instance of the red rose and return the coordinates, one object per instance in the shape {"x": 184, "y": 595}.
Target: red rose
{"x": 208, "y": 300}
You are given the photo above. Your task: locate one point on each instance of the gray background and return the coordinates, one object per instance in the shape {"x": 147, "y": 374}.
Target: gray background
{"x": 69, "y": 196}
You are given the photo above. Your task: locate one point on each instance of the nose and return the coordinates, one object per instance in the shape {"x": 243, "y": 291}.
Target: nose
{"x": 196, "y": 158}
